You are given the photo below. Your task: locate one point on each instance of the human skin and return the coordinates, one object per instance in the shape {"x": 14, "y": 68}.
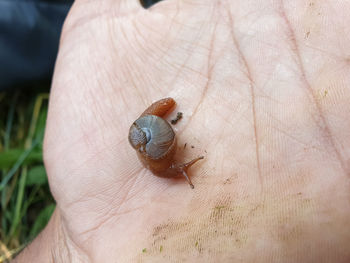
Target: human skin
{"x": 264, "y": 88}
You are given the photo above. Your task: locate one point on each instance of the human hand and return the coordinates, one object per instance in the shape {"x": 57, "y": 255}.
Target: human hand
{"x": 264, "y": 90}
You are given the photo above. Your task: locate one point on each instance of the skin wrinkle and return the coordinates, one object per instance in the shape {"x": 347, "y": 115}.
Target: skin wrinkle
{"x": 183, "y": 66}
{"x": 173, "y": 21}
{"x": 325, "y": 52}
{"x": 143, "y": 38}
{"x": 144, "y": 77}
{"x": 70, "y": 26}
{"x": 126, "y": 196}
{"x": 130, "y": 210}
{"x": 116, "y": 45}
{"x": 209, "y": 74}
{"x": 125, "y": 103}
{"x": 157, "y": 46}
{"x": 323, "y": 126}
{"x": 96, "y": 109}
{"x": 94, "y": 196}
{"x": 115, "y": 77}
{"x": 111, "y": 215}
{"x": 94, "y": 156}
{"x": 190, "y": 53}
{"x": 108, "y": 93}
{"x": 121, "y": 91}
{"x": 261, "y": 90}
{"x": 64, "y": 235}
{"x": 86, "y": 120}
{"x": 147, "y": 77}
{"x": 221, "y": 161}
{"x": 167, "y": 48}
{"x": 285, "y": 132}
{"x": 129, "y": 69}
{"x": 172, "y": 64}
{"x": 251, "y": 84}
{"x": 135, "y": 86}
{"x": 294, "y": 138}
{"x": 229, "y": 120}
{"x": 342, "y": 33}
{"x": 194, "y": 45}
{"x": 232, "y": 157}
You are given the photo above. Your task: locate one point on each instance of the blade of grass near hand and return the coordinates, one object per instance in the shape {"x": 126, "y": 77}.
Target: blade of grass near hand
{"x": 19, "y": 162}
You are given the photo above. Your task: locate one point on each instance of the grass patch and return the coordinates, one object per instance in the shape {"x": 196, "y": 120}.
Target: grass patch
{"x": 25, "y": 198}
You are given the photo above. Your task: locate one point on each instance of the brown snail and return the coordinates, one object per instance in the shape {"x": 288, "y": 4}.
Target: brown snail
{"x": 155, "y": 142}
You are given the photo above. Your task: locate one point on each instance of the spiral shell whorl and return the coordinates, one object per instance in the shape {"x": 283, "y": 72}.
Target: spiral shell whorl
{"x": 151, "y": 135}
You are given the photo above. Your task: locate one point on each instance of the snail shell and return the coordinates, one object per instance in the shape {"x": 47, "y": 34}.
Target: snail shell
{"x": 152, "y": 136}
{"x": 155, "y": 143}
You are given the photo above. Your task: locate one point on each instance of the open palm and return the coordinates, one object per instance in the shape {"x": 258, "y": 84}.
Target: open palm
{"x": 264, "y": 88}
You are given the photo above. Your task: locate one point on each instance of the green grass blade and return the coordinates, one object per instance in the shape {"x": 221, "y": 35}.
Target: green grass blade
{"x": 9, "y": 122}
{"x": 36, "y": 176}
{"x": 10, "y": 157}
{"x": 19, "y": 162}
{"x": 19, "y": 202}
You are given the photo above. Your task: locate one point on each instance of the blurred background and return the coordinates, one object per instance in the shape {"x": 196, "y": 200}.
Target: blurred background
{"x": 29, "y": 36}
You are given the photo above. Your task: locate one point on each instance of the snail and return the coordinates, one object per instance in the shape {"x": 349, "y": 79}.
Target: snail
{"x": 155, "y": 142}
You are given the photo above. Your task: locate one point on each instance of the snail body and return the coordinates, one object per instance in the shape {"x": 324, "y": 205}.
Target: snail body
{"x": 155, "y": 142}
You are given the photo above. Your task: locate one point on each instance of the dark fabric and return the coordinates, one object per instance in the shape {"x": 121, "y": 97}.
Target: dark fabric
{"x": 148, "y": 3}
{"x": 29, "y": 36}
